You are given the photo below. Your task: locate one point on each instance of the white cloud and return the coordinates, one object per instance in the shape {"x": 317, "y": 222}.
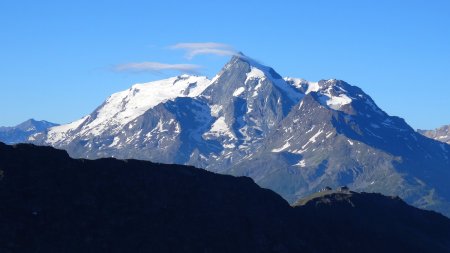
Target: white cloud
{"x": 194, "y": 49}
{"x": 156, "y": 67}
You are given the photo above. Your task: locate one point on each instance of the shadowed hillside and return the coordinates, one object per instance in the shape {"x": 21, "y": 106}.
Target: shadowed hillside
{"x": 52, "y": 203}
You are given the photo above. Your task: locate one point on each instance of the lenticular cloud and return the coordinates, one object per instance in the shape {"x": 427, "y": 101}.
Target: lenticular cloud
{"x": 194, "y": 49}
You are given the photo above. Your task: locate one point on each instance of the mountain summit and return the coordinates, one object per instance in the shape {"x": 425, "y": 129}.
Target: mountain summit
{"x": 290, "y": 135}
{"x": 24, "y": 130}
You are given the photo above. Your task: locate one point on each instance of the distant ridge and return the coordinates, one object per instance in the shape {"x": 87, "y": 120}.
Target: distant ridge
{"x": 440, "y": 134}
{"x": 23, "y": 131}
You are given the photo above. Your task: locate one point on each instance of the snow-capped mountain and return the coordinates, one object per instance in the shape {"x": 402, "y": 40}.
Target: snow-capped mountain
{"x": 23, "y": 131}
{"x": 440, "y": 134}
{"x": 290, "y": 135}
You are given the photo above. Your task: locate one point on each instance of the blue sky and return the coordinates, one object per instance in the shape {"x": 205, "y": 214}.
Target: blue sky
{"x": 58, "y": 59}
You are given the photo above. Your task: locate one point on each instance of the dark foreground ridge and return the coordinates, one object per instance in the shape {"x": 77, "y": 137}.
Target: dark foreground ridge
{"x": 52, "y": 203}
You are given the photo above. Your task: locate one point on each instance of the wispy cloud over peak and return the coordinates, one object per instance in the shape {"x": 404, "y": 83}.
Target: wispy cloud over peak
{"x": 194, "y": 49}
{"x": 157, "y": 67}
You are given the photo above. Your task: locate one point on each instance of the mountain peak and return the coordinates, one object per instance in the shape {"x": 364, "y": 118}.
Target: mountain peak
{"x": 244, "y": 76}
{"x": 24, "y": 130}
{"x": 241, "y": 60}
{"x": 35, "y": 125}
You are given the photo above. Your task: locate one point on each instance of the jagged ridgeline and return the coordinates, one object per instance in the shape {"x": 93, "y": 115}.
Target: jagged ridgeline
{"x": 52, "y": 203}
{"x": 441, "y": 134}
{"x": 290, "y": 135}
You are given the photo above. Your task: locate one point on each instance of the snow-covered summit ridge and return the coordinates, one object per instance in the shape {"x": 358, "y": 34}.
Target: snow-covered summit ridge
{"x": 331, "y": 93}
{"x": 122, "y": 107}
{"x": 334, "y": 94}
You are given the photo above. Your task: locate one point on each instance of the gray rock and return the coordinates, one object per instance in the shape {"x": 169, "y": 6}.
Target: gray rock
{"x": 440, "y": 134}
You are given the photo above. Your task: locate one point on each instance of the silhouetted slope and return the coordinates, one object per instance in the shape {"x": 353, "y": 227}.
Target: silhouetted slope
{"x": 52, "y": 203}
{"x": 356, "y": 220}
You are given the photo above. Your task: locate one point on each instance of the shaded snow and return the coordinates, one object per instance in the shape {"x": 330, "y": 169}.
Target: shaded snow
{"x": 215, "y": 109}
{"x": 220, "y": 128}
{"x": 312, "y": 87}
{"x": 255, "y": 73}
{"x": 313, "y": 138}
{"x": 336, "y": 102}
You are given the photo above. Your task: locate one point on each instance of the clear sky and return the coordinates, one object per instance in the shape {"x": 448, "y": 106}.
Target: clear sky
{"x": 59, "y": 60}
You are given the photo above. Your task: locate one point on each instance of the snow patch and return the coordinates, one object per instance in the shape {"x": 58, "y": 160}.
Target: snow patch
{"x": 285, "y": 146}
{"x": 256, "y": 89}
{"x": 220, "y": 128}
{"x": 215, "y": 109}
{"x": 115, "y": 142}
{"x": 313, "y": 138}
{"x": 313, "y": 87}
{"x": 231, "y": 145}
{"x": 238, "y": 91}
{"x": 301, "y": 163}
{"x": 336, "y": 102}
{"x": 255, "y": 73}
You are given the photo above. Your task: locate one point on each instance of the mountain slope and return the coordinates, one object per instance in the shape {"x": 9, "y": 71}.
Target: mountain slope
{"x": 52, "y": 203}
{"x": 23, "y": 131}
{"x": 440, "y": 134}
{"x": 290, "y": 135}
{"x": 361, "y": 147}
